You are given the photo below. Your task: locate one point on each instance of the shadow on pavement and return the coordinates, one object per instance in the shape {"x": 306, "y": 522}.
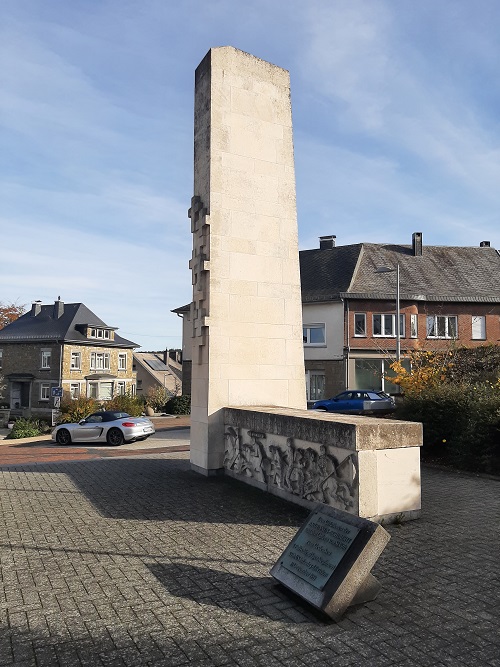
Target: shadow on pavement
{"x": 159, "y": 489}
{"x": 254, "y": 596}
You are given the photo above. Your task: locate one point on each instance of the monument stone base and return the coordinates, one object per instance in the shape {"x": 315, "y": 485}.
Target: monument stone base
{"x": 365, "y": 466}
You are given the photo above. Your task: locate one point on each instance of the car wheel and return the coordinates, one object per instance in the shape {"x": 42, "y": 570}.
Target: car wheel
{"x": 63, "y": 437}
{"x": 115, "y": 437}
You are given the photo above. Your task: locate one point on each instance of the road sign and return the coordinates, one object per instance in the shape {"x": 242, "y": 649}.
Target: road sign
{"x": 56, "y": 391}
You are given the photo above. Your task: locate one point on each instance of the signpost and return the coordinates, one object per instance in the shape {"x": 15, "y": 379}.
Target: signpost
{"x": 56, "y": 393}
{"x": 328, "y": 563}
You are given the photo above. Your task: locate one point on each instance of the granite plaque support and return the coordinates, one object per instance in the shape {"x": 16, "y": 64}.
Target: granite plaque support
{"x": 328, "y": 563}
{"x": 246, "y": 310}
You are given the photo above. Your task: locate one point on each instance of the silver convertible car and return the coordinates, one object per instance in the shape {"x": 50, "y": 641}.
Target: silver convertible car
{"x": 108, "y": 426}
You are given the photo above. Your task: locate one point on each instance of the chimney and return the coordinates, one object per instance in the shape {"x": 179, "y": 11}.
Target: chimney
{"x": 36, "y": 308}
{"x": 165, "y": 357}
{"x": 485, "y": 244}
{"x": 416, "y": 242}
{"x": 58, "y": 308}
{"x": 327, "y": 242}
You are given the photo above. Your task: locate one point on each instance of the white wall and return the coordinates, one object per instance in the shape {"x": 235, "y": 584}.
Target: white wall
{"x": 332, "y": 315}
{"x": 247, "y": 329}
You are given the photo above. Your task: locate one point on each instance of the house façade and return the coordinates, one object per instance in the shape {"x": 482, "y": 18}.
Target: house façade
{"x": 67, "y": 346}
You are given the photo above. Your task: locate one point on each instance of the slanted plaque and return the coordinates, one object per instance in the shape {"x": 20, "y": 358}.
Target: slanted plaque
{"x": 329, "y": 560}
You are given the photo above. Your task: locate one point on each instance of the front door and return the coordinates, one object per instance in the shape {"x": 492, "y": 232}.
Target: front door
{"x": 15, "y": 396}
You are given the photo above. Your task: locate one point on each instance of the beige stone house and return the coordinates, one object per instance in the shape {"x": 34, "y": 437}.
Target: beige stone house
{"x": 62, "y": 348}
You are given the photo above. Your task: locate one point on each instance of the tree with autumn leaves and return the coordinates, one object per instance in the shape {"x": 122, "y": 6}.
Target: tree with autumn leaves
{"x": 456, "y": 395}
{"x": 10, "y": 312}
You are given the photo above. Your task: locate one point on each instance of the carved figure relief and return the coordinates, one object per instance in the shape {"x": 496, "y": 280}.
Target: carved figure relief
{"x": 200, "y": 266}
{"x": 313, "y": 475}
{"x": 232, "y": 453}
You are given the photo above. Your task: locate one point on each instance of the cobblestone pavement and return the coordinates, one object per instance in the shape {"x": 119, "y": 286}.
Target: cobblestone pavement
{"x": 139, "y": 561}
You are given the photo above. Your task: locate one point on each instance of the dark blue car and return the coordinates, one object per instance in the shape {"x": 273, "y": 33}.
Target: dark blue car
{"x": 358, "y": 402}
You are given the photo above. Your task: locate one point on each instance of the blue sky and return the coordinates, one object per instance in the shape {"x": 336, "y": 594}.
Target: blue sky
{"x": 396, "y": 130}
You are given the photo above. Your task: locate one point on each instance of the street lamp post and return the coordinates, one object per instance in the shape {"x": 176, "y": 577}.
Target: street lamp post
{"x": 386, "y": 269}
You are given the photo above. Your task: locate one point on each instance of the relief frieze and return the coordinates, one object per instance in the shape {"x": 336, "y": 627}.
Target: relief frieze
{"x": 311, "y": 471}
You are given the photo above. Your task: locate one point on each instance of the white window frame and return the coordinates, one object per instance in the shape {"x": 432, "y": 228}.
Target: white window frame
{"x": 45, "y": 391}
{"x": 120, "y": 388}
{"x": 91, "y": 386}
{"x": 392, "y": 319}
{"x": 45, "y": 358}
{"x": 103, "y": 358}
{"x": 413, "y": 325}
{"x": 94, "y": 332}
{"x": 74, "y": 390}
{"x": 478, "y": 327}
{"x": 122, "y": 362}
{"x": 363, "y": 316}
{"x": 76, "y": 361}
{"x": 433, "y": 322}
{"x": 306, "y": 334}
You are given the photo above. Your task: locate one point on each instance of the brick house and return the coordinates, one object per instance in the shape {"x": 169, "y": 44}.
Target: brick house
{"x": 62, "y": 345}
{"x": 448, "y": 296}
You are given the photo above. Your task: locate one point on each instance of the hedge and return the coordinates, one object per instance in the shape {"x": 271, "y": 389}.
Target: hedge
{"x": 461, "y": 424}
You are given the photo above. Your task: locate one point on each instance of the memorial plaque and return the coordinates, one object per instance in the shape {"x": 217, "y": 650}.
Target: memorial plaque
{"x": 328, "y": 562}
{"x": 318, "y": 549}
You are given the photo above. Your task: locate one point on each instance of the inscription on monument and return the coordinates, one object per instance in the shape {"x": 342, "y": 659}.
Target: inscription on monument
{"x": 317, "y": 550}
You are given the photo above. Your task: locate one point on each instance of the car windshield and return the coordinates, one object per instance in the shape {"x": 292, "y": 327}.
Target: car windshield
{"x": 105, "y": 416}
{"x": 345, "y": 396}
{"x": 116, "y": 415}
{"x": 376, "y": 395}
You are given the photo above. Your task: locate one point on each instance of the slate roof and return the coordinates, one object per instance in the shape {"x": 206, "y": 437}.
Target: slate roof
{"x": 441, "y": 273}
{"x": 44, "y": 327}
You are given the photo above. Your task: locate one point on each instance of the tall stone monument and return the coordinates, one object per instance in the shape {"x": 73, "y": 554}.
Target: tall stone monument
{"x": 246, "y": 310}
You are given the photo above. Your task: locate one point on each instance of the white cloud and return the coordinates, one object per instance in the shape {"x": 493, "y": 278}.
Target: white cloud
{"x": 406, "y": 138}
{"x": 396, "y": 130}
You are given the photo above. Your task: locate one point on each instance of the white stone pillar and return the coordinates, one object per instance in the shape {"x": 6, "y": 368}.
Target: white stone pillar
{"x": 246, "y": 313}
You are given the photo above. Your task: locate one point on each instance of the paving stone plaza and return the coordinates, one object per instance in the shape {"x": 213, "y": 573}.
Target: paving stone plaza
{"x": 140, "y": 561}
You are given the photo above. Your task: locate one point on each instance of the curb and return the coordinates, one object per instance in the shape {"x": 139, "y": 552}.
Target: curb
{"x": 11, "y": 441}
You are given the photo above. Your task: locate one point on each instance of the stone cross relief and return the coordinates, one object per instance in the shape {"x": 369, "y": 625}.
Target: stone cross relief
{"x": 312, "y": 475}
{"x": 200, "y": 266}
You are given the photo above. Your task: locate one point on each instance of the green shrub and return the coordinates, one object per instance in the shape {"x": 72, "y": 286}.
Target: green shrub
{"x": 26, "y": 428}
{"x": 461, "y": 424}
{"x": 179, "y": 405}
{"x": 73, "y": 411}
{"x": 132, "y": 405}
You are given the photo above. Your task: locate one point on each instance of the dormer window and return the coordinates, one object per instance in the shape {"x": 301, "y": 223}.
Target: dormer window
{"x": 94, "y": 332}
